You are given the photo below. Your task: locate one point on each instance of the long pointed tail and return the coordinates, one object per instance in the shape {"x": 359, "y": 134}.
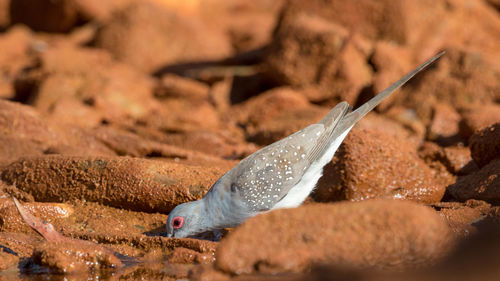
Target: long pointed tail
{"x": 376, "y": 100}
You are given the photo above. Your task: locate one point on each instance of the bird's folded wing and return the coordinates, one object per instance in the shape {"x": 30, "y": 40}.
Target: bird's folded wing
{"x": 265, "y": 177}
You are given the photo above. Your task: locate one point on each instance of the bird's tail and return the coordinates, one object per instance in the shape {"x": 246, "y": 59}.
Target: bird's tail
{"x": 376, "y": 100}
{"x": 340, "y": 119}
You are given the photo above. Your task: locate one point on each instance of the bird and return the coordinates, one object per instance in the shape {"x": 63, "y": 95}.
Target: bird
{"x": 280, "y": 175}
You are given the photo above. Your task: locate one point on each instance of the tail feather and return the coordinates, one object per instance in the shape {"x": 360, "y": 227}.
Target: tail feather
{"x": 340, "y": 119}
{"x": 376, "y": 100}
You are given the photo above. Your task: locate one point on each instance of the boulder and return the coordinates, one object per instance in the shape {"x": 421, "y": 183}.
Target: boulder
{"x": 372, "y": 234}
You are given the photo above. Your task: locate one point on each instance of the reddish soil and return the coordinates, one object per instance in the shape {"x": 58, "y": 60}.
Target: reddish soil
{"x": 114, "y": 112}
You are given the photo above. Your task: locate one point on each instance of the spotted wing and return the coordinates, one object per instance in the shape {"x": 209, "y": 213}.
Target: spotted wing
{"x": 265, "y": 177}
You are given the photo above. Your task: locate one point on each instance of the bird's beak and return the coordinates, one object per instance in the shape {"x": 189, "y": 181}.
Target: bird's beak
{"x": 170, "y": 235}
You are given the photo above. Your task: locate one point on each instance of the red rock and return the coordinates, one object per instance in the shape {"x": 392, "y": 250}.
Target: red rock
{"x": 433, "y": 156}
{"x": 173, "y": 86}
{"x": 133, "y": 184}
{"x": 494, "y": 214}
{"x": 123, "y": 143}
{"x": 4, "y": 13}
{"x": 12, "y": 148}
{"x": 388, "y": 68}
{"x": 478, "y": 117}
{"x": 408, "y": 119}
{"x": 20, "y": 243}
{"x": 77, "y": 141}
{"x": 461, "y": 216}
{"x": 276, "y": 114}
{"x": 285, "y": 124}
{"x": 57, "y": 16}
{"x": 268, "y": 105}
{"x": 378, "y": 122}
{"x": 7, "y": 259}
{"x": 85, "y": 86}
{"x": 445, "y": 82}
{"x": 23, "y": 132}
{"x": 100, "y": 11}
{"x": 444, "y": 124}
{"x": 220, "y": 143}
{"x": 13, "y": 58}
{"x": 220, "y": 95}
{"x": 494, "y": 3}
{"x": 208, "y": 273}
{"x": 121, "y": 226}
{"x": 249, "y": 24}
{"x": 310, "y": 52}
{"x": 148, "y": 37}
{"x": 375, "y": 20}
{"x": 485, "y": 144}
{"x": 183, "y": 255}
{"x": 70, "y": 257}
{"x": 182, "y": 115}
{"x": 372, "y": 234}
{"x": 372, "y": 164}
{"x": 11, "y": 221}
{"x": 24, "y": 123}
{"x": 472, "y": 26}
{"x": 456, "y": 159}
{"x": 481, "y": 185}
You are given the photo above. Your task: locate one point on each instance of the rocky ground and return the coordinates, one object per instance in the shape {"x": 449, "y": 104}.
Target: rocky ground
{"x": 113, "y": 112}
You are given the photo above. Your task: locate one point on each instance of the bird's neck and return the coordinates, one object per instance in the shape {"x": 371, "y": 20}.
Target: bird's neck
{"x": 204, "y": 222}
{"x": 223, "y": 210}
{"x": 212, "y": 213}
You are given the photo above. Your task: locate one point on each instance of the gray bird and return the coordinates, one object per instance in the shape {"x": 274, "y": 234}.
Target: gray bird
{"x": 280, "y": 175}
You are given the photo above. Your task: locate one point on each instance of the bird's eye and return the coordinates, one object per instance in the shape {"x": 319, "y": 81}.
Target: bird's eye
{"x": 177, "y": 222}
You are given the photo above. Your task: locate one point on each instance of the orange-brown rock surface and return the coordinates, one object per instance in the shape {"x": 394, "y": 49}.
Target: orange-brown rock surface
{"x": 482, "y": 185}
{"x": 149, "y": 37}
{"x": 485, "y": 144}
{"x": 351, "y": 234}
{"x": 478, "y": 117}
{"x": 142, "y": 185}
{"x": 372, "y": 164}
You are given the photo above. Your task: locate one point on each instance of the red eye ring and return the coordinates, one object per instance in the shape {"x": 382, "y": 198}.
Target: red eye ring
{"x": 177, "y": 222}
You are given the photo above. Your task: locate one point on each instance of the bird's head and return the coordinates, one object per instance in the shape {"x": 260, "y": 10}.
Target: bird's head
{"x": 186, "y": 220}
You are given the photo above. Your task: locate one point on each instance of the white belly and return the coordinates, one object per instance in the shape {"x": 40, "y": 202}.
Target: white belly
{"x": 306, "y": 185}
